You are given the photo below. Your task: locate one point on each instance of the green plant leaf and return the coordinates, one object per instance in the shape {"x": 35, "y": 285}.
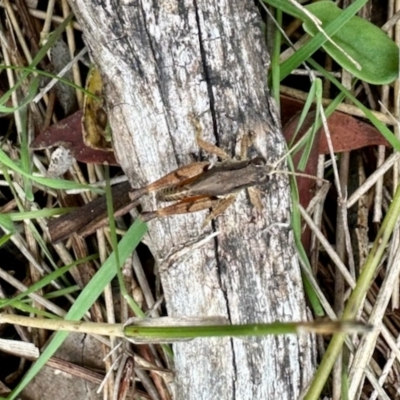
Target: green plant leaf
{"x": 309, "y": 48}
{"x": 368, "y": 45}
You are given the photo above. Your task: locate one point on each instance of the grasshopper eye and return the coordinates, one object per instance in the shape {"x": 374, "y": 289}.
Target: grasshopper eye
{"x": 261, "y": 170}
{"x": 258, "y": 161}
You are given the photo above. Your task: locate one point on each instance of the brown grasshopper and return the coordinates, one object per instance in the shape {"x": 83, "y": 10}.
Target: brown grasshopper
{"x": 197, "y": 186}
{"x": 203, "y": 185}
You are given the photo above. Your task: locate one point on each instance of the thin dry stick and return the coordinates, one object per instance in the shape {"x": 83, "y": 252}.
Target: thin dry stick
{"x": 143, "y": 282}
{"x": 331, "y": 314}
{"x": 17, "y": 29}
{"x": 47, "y": 22}
{"x": 338, "y": 280}
{"x": 337, "y": 184}
{"x": 148, "y": 384}
{"x": 392, "y": 21}
{"x": 22, "y": 246}
{"x": 118, "y": 376}
{"x": 106, "y": 379}
{"x": 368, "y": 92}
{"x": 39, "y": 299}
{"x": 6, "y": 49}
{"x": 396, "y": 112}
{"x": 371, "y": 377}
{"x": 318, "y": 200}
{"x": 54, "y": 81}
{"x": 318, "y": 213}
{"x": 329, "y": 249}
{"x": 74, "y": 370}
{"x": 42, "y": 15}
{"x": 321, "y": 297}
{"x": 95, "y": 173}
{"x": 343, "y": 226}
{"x": 367, "y": 344}
{"x": 72, "y": 48}
{"x": 361, "y": 231}
{"x": 347, "y": 239}
{"x": 318, "y": 74}
{"x": 377, "y": 214}
{"x": 341, "y": 240}
{"x": 331, "y": 152}
{"x": 372, "y": 179}
{"x": 386, "y": 370}
{"x": 80, "y": 178}
{"x": 292, "y": 49}
{"x": 368, "y": 307}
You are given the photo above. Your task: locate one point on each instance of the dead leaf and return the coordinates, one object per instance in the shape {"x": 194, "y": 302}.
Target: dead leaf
{"x": 68, "y": 133}
{"x": 347, "y": 133}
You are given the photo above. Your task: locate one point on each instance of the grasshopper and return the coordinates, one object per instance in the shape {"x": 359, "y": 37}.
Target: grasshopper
{"x": 195, "y": 187}
{"x": 203, "y": 185}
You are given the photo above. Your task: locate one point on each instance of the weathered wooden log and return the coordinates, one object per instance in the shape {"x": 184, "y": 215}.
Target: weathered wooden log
{"x": 170, "y": 67}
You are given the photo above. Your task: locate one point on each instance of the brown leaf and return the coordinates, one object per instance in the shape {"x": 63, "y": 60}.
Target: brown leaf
{"x": 68, "y": 133}
{"x": 347, "y": 133}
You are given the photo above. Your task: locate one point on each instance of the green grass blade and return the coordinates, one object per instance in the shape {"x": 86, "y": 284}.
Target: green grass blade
{"x": 357, "y": 296}
{"x": 60, "y": 79}
{"x": 60, "y": 184}
{"x": 27, "y": 308}
{"x": 5, "y": 238}
{"x": 7, "y": 223}
{"x": 383, "y": 129}
{"x": 85, "y": 300}
{"x": 33, "y": 88}
{"x": 25, "y": 155}
{"x": 46, "y": 280}
{"x": 43, "y": 213}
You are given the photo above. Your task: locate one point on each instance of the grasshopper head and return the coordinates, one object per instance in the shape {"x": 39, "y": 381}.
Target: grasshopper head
{"x": 261, "y": 169}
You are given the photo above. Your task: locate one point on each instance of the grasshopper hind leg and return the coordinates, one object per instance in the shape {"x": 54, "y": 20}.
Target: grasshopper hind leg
{"x": 219, "y": 208}
{"x": 185, "y": 206}
{"x": 212, "y": 148}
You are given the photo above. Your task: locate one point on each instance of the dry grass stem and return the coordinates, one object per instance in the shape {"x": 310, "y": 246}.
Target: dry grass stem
{"x": 328, "y": 248}
{"x": 372, "y": 179}
{"x": 343, "y": 107}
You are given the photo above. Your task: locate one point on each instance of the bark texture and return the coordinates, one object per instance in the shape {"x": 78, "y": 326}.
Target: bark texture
{"x": 169, "y": 67}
